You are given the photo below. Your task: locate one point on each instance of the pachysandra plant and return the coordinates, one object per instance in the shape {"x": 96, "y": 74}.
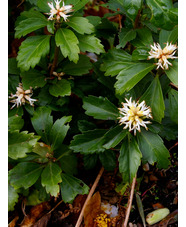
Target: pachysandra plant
{"x": 117, "y": 107}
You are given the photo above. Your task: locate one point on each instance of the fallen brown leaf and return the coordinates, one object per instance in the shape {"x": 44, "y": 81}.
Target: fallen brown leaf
{"x": 42, "y": 222}
{"x": 13, "y": 222}
{"x": 92, "y": 209}
{"x": 170, "y": 219}
{"x": 157, "y": 206}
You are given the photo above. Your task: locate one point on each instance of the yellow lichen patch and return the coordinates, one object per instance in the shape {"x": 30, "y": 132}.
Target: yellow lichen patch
{"x": 102, "y": 220}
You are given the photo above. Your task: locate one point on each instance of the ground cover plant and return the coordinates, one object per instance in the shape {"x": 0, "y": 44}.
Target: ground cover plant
{"x": 93, "y": 113}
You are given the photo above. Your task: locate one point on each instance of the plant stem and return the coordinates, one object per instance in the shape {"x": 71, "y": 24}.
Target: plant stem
{"x": 56, "y": 53}
{"x": 129, "y": 204}
{"x": 89, "y": 196}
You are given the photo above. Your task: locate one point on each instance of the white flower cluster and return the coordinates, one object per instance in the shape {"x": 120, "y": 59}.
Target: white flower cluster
{"x": 167, "y": 52}
{"x": 21, "y": 96}
{"x": 132, "y": 115}
{"x": 59, "y": 11}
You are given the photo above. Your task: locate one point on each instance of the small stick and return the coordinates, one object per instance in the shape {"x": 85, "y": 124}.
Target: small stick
{"x": 89, "y": 196}
{"x": 173, "y": 85}
{"x": 129, "y": 203}
{"x": 55, "y": 207}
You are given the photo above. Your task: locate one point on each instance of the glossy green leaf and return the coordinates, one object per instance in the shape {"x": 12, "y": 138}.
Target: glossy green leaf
{"x": 168, "y": 36}
{"x": 172, "y": 72}
{"x": 173, "y": 105}
{"x": 140, "y": 53}
{"x": 153, "y": 149}
{"x": 81, "y": 25}
{"x": 59, "y": 131}
{"x": 50, "y": 178}
{"x": 143, "y": 38}
{"x": 15, "y": 123}
{"x": 130, "y": 76}
{"x": 90, "y": 160}
{"x": 30, "y": 24}
{"x": 20, "y": 143}
{"x": 84, "y": 125}
{"x": 25, "y": 174}
{"x": 114, "y": 61}
{"x": 77, "y": 4}
{"x": 82, "y": 67}
{"x": 68, "y": 43}
{"x": 33, "y": 78}
{"x": 61, "y": 88}
{"x": 90, "y": 43}
{"x": 100, "y": 108}
{"x": 12, "y": 198}
{"x": 31, "y": 51}
{"x": 153, "y": 97}
{"x": 125, "y": 35}
{"x": 12, "y": 66}
{"x": 132, "y": 7}
{"x": 108, "y": 160}
{"x": 71, "y": 187}
{"x": 89, "y": 142}
{"x": 129, "y": 159}
{"x": 42, "y": 122}
{"x": 161, "y": 14}
{"x": 114, "y": 136}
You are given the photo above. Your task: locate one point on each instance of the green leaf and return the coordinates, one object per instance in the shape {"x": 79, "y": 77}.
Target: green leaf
{"x": 173, "y": 105}
{"x": 84, "y": 125}
{"x": 51, "y": 26}
{"x": 129, "y": 159}
{"x": 12, "y": 198}
{"x": 125, "y": 35}
{"x": 33, "y": 78}
{"x": 68, "y": 43}
{"x": 89, "y": 142}
{"x": 108, "y": 160}
{"x": 161, "y": 14}
{"x": 100, "y": 108}
{"x": 143, "y": 38}
{"x": 153, "y": 149}
{"x": 140, "y": 208}
{"x": 25, "y": 174}
{"x": 114, "y": 61}
{"x": 31, "y": 51}
{"x": 130, "y": 76}
{"x": 67, "y": 159}
{"x": 82, "y": 67}
{"x": 30, "y": 24}
{"x": 90, "y": 43}
{"x": 12, "y": 66}
{"x": 42, "y": 122}
{"x": 153, "y": 97}
{"x": 172, "y": 72}
{"x": 20, "y": 143}
{"x": 71, "y": 187}
{"x": 168, "y": 36}
{"x": 90, "y": 160}
{"x": 50, "y": 178}
{"x": 140, "y": 53}
{"x": 61, "y": 88}
{"x": 81, "y": 25}
{"x": 132, "y": 7}
{"x": 59, "y": 131}
{"x": 114, "y": 136}
{"x": 77, "y": 4}
{"x": 15, "y": 123}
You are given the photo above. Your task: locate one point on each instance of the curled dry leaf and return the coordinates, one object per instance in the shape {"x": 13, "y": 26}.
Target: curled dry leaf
{"x": 92, "y": 209}
{"x": 13, "y": 222}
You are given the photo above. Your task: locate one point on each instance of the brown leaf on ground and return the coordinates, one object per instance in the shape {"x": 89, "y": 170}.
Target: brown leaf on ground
{"x": 13, "y": 222}
{"x": 157, "y": 206}
{"x": 170, "y": 219}
{"x": 36, "y": 212}
{"x": 92, "y": 209}
{"x": 42, "y": 222}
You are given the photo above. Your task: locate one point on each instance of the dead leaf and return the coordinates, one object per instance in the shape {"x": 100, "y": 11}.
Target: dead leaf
{"x": 13, "y": 222}
{"x": 36, "y": 212}
{"x": 157, "y": 206}
{"x": 42, "y": 222}
{"x": 92, "y": 209}
{"x": 170, "y": 219}
{"x": 153, "y": 178}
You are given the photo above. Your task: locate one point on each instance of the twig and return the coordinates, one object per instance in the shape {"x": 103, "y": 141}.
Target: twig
{"x": 173, "y": 85}
{"x": 56, "y": 53}
{"x": 129, "y": 202}
{"x": 176, "y": 144}
{"x": 20, "y": 3}
{"x": 89, "y": 196}
{"x": 55, "y": 207}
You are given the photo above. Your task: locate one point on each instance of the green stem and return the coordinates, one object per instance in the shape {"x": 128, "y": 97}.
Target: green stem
{"x": 56, "y": 53}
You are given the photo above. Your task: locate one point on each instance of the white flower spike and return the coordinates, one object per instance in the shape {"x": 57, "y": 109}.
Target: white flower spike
{"x": 59, "y": 11}
{"x": 163, "y": 55}
{"x": 21, "y": 96}
{"x": 132, "y": 115}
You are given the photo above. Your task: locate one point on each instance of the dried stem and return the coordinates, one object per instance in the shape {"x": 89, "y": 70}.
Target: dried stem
{"x": 89, "y": 196}
{"x": 174, "y": 86}
{"x": 129, "y": 202}
{"x": 55, "y": 207}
